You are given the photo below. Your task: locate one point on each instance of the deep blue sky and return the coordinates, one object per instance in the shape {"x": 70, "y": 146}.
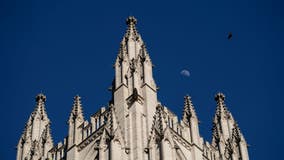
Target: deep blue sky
{"x": 64, "y": 48}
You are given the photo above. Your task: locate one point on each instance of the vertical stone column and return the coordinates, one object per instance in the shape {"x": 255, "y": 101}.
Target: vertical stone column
{"x": 136, "y": 112}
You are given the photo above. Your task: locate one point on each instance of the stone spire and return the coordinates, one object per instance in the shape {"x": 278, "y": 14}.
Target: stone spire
{"x": 77, "y": 110}
{"x": 221, "y": 131}
{"x": 76, "y": 118}
{"x": 134, "y": 88}
{"x": 221, "y": 110}
{"x": 223, "y": 119}
{"x": 130, "y": 41}
{"x": 131, "y": 30}
{"x": 39, "y": 111}
{"x": 133, "y": 66}
{"x": 191, "y": 128}
{"x": 36, "y": 139}
{"x": 226, "y": 134}
{"x": 188, "y": 110}
{"x": 38, "y": 118}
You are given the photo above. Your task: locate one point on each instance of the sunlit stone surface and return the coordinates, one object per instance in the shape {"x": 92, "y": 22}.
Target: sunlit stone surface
{"x": 135, "y": 125}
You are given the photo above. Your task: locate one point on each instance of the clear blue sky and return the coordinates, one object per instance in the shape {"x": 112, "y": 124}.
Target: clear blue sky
{"x": 64, "y": 48}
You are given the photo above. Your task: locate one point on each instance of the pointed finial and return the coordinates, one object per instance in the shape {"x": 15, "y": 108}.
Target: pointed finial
{"x": 220, "y": 97}
{"x": 131, "y": 21}
{"x": 131, "y": 29}
{"x": 40, "y": 98}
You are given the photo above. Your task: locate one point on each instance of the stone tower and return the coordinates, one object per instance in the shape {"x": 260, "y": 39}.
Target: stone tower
{"x": 135, "y": 91}
{"x": 135, "y": 125}
{"x": 36, "y": 139}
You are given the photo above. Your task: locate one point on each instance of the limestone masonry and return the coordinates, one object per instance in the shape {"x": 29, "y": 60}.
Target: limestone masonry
{"x": 135, "y": 125}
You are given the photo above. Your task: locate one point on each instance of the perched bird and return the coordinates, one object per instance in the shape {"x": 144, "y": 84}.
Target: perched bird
{"x": 230, "y": 35}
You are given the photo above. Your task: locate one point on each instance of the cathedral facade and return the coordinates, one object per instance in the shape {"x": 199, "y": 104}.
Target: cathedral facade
{"x": 135, "y": 125}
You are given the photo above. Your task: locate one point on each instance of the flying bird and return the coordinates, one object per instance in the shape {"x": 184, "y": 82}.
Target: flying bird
{"x": 185, "y": 73}
{"x": 230, "y": 36}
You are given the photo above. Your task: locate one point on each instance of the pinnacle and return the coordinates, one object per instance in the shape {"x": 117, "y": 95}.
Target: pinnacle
{"x": 46, "y": 135}
{"x": 77, "y": 110}
{"x": 188, "y": 110}
{"x": 215, "y": 135}
{"x": 39, "y": 114}
{"x": 236, "y": 129}
{"x": 159, "y": 119}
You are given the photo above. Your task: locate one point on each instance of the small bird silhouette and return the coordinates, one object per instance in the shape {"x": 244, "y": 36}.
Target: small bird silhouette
{"x": 230, "y": 36}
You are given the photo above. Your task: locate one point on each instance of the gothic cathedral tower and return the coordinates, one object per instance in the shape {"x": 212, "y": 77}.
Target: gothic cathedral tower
{"x": 135, "y": 125}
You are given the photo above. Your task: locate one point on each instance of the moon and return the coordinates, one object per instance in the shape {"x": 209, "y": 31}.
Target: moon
{"x": 185, "y": 73}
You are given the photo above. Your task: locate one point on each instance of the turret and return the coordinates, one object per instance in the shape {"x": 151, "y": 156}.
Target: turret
{"x": 134, "y": 89}
{"x": 36, "y": 139}
{"x": 227, "y": 136}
